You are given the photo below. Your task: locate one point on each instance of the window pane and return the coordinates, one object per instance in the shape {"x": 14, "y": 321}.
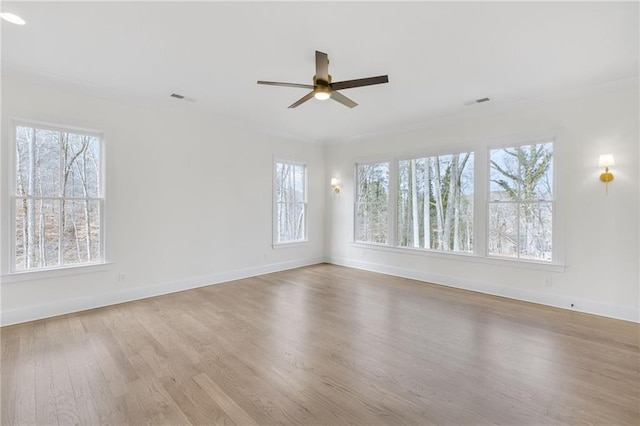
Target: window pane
{"x": 290, "y": 182}
{"x": 535, "y": 231}
{"x": 435, "y": 202}
{"x": 503, "y": 229}
{"x": 373, "y": 182}
{"x": 81, "y": 236}
{"x": 37, "y": 162}
{"x": 522, "y": 173}
{"x": 37, "y": 230}
{"x": 81, "y": 170}
{"x": 291, "y": 222}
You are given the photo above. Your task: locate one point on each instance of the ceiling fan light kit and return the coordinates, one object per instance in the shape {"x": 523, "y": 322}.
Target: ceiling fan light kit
{"x": 323, "y": 88}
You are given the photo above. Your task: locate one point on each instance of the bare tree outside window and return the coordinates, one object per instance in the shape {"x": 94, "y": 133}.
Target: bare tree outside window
{"x": 521, "y": 202}
{"x": 58, "y": 198}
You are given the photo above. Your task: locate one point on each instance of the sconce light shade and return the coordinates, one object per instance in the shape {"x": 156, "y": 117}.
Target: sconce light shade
{"x": 335, "y": 185}
{"x": 606, "y": 160}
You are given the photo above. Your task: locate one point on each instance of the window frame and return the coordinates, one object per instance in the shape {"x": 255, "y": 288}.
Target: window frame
{"x": 275, "y": 223}
{"x": 47, "y": 271}
{"x": 557, "y": 248}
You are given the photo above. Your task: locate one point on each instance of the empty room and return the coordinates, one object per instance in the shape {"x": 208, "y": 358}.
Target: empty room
{"x": 320, "y": 213}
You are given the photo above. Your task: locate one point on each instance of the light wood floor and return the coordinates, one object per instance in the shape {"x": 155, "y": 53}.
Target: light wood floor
{"x": 322, "y": 345}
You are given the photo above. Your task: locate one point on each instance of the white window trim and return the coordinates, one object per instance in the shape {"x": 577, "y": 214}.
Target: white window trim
{"x": 12, "y": 274}
{"x": 481, "y": 150}
{"x": 275, "y": 244}
{"x": 55, "y": 272}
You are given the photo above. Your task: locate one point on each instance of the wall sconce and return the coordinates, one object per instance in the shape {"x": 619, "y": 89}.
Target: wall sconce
{"x": 606, "y": 161}
{"x": 335, "y": 185}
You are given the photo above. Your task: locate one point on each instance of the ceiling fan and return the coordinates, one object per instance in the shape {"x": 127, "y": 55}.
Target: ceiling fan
{"x": 322, "y": 87}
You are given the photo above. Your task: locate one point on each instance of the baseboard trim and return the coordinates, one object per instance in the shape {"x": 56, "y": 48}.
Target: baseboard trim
{"x": 68, "y": 306}
{"x": 626, "y": 313}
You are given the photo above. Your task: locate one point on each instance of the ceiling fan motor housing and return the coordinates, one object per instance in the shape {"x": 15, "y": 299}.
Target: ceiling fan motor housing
{"x": 317, "y": 82}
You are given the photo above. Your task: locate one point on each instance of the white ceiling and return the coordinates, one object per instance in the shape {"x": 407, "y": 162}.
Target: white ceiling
{"x": 437, "y": 55}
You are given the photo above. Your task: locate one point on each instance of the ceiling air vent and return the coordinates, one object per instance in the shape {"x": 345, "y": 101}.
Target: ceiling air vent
{"x": 477, "y": 101}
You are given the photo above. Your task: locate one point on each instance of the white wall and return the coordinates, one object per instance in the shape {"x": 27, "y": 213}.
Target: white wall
{"x": 188, "y": 201}
{"x": 601, "y": 232}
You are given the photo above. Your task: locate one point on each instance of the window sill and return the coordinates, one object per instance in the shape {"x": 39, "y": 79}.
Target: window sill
{"x": 465, "y": 257}
{"x": 42, "y": 274}
{"x": 277, "y": 246}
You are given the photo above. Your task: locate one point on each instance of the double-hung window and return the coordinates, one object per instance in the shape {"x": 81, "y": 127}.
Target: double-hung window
{"x": 521, "y": 202}
{"x": 290, "y": 203}
{"x": 57, "y": 198}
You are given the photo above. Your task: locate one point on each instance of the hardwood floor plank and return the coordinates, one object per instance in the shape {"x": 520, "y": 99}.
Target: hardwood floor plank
{"x": 25, "y": 398}
{"x": 9, "y": 370}
{"x": 322, "y": 345}
{"x": 231, "y": 409}
{"x": 116, "y": 378}
{"x": 46, "y": 409}
{"x": 196, "y": 405}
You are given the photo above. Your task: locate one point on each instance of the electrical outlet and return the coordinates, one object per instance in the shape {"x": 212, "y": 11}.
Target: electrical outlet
{"x": 122, "y": 277}
{"x": 548, "y": 282}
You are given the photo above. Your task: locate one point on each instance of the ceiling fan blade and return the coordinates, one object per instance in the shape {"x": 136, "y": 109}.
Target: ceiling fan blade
{"x": 341, "y": 85}
{"x": 275, "y": 83}
{"x": 336, "y": 96}
{"x": 302, "y": 100}
{"x": 322, "y": 66}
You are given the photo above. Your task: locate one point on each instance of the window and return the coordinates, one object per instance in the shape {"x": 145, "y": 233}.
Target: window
{"x": 521, "y": 202}
{"x": 372, "y": 201}
{"x": 435, "y": 203}
{"x": 290, "y": 203}
{"x": 430, "y": 203}
{"x": 57, "y": 198}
